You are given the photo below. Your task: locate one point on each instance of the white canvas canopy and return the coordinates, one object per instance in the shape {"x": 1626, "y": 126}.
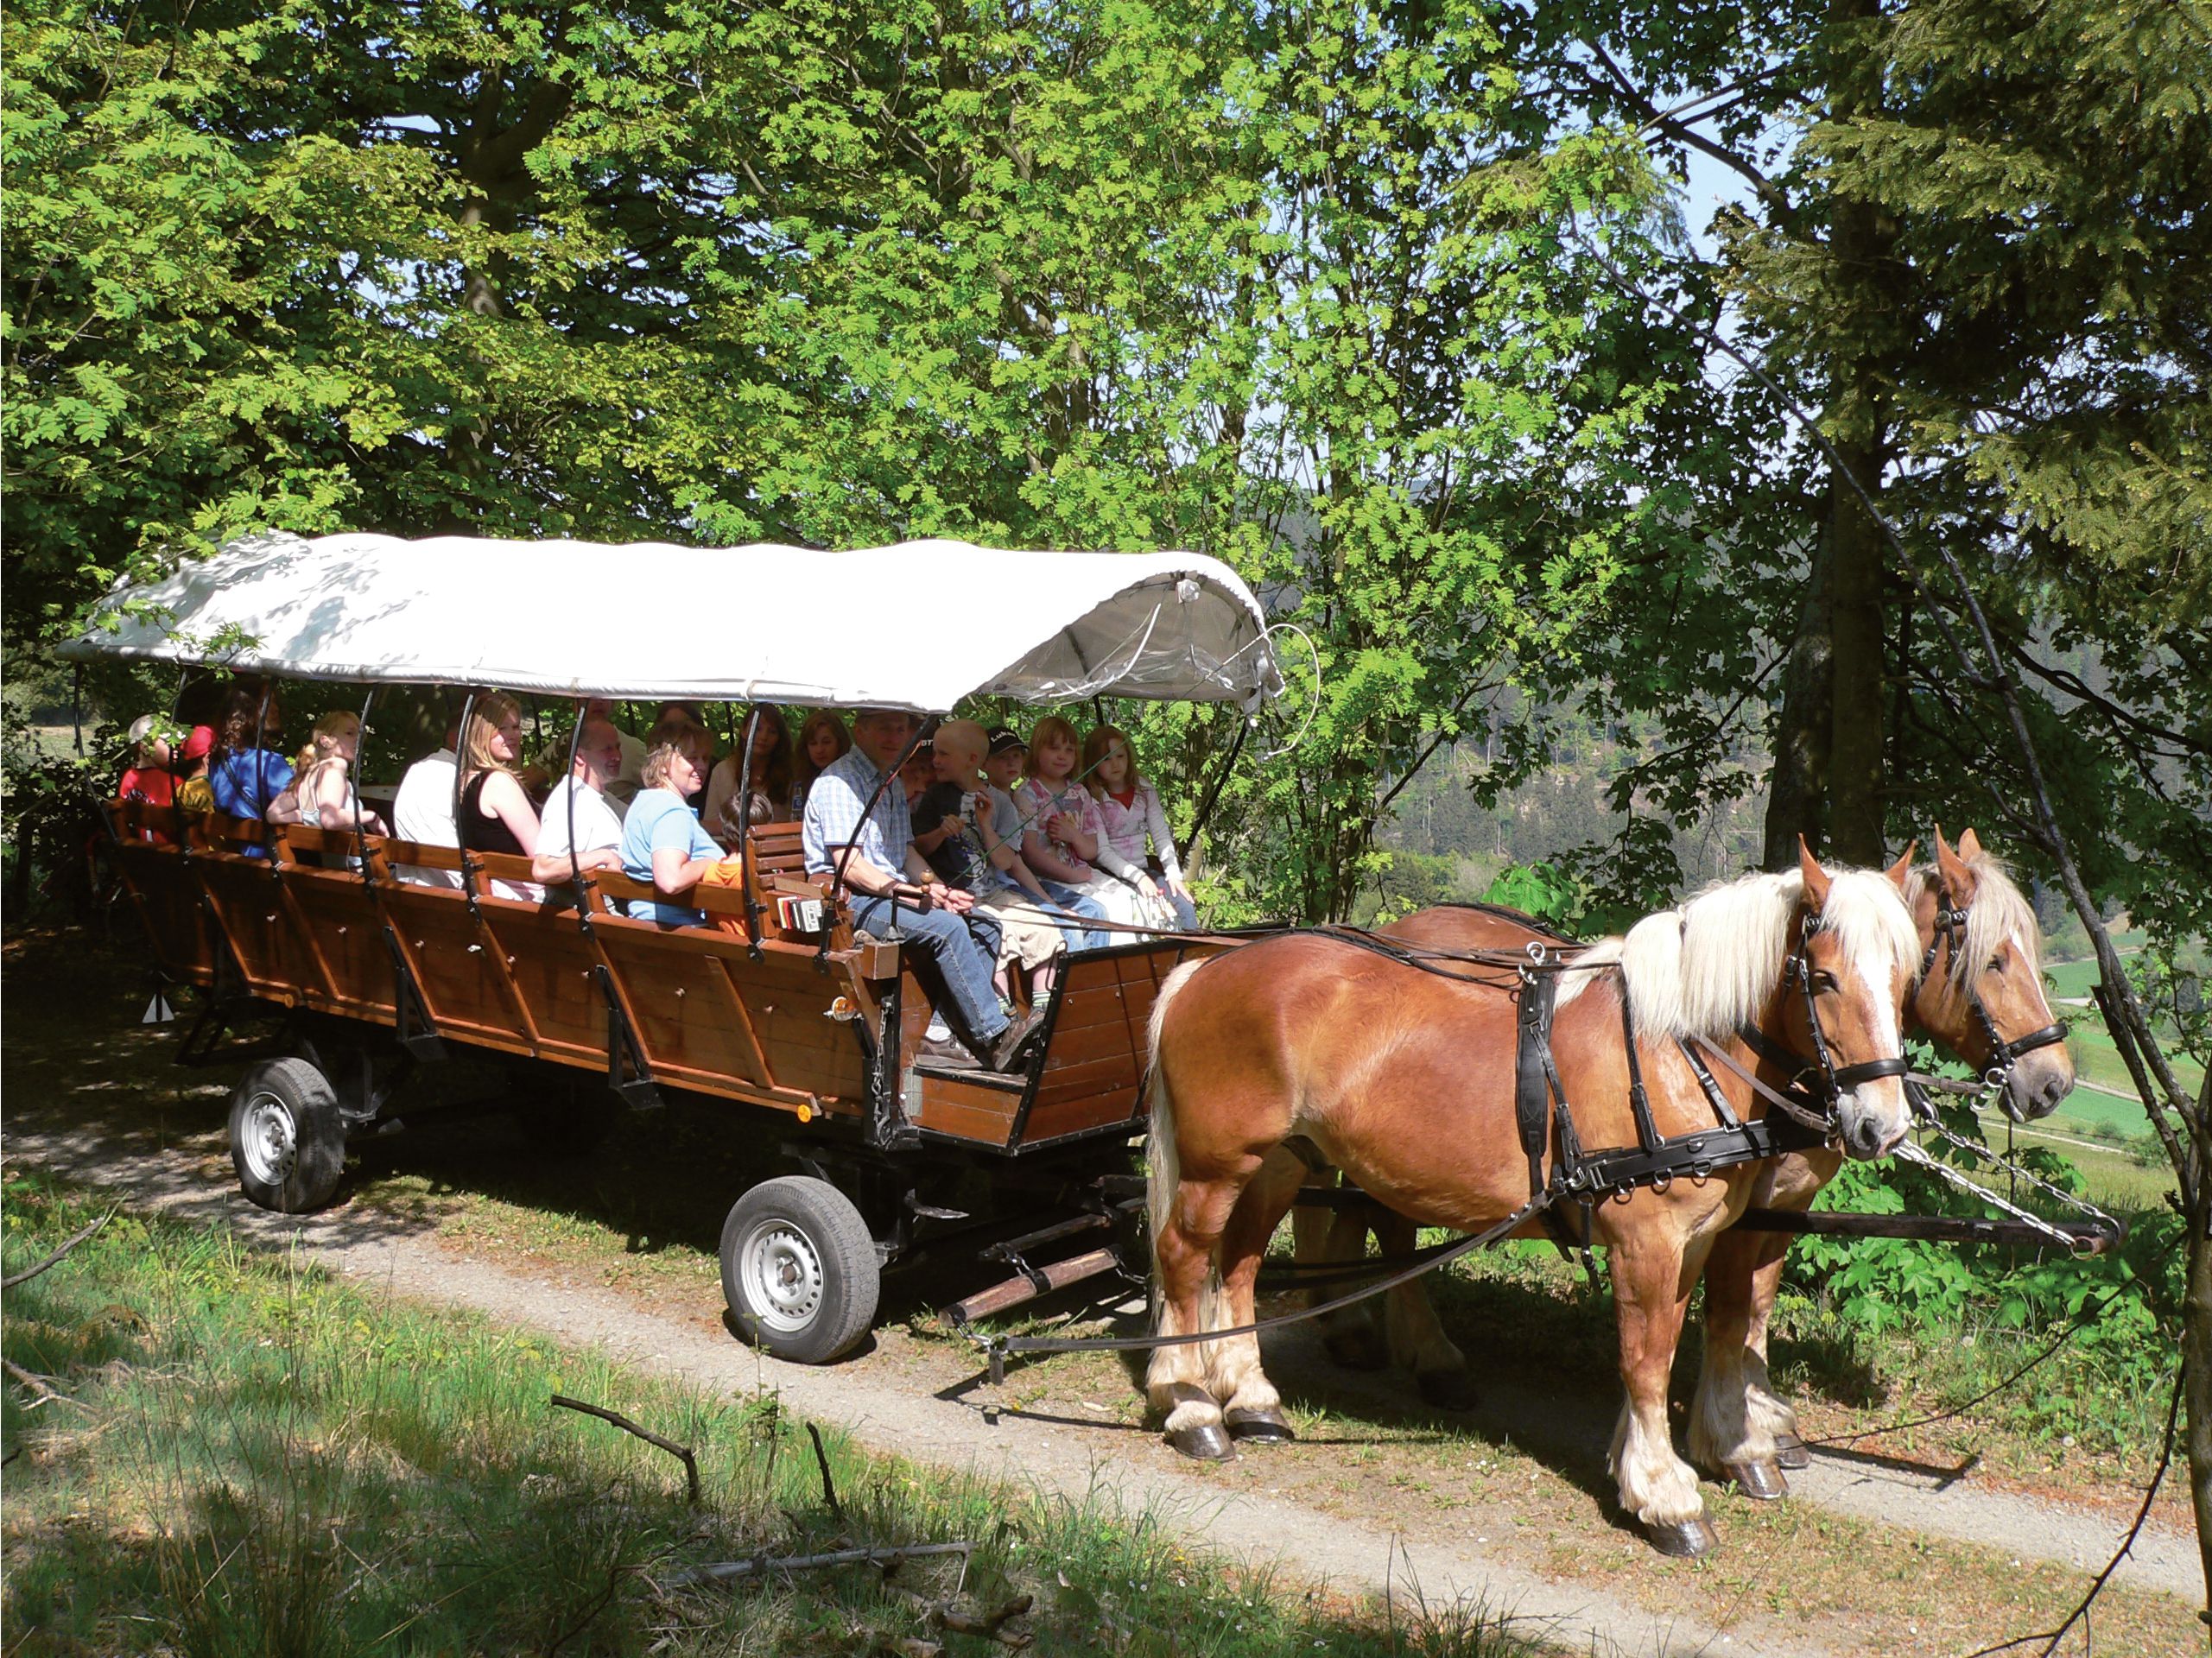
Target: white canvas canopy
{"x": 918, "y": 626}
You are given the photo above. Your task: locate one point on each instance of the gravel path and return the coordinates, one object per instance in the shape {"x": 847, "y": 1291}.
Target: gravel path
{"x": 881, "y": 1405}
{"x": 882, "y": 1413}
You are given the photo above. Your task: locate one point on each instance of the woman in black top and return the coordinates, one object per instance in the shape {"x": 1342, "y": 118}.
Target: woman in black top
{"x": 496, "y": 815}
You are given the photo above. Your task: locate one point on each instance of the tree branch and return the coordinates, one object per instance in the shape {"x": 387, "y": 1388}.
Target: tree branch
{"x": 29, "y": 1273}
{"x": 682, "y": 1453}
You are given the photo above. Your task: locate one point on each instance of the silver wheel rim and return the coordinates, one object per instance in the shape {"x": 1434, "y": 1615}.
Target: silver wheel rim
{"x": 781, "y": 1272}
{"x": 269, "y": 1140}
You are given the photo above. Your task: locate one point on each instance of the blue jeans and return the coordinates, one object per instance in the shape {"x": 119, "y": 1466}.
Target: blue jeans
{"x": 950, "y": 942}
{"x": 1079, "y": 903}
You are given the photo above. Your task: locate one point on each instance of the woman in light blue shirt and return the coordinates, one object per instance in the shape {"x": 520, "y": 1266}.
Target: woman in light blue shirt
{"x": 663, "y": 841}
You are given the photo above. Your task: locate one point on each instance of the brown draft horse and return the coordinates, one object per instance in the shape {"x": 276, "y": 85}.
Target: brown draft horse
{"x": 1311, "y": 1038}
{"x": 1979, "y": 993}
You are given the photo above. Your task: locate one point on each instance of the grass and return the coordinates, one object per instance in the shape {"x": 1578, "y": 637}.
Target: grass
{"x": 249, "y": 1457}
{"x": 2095, "y": 1058}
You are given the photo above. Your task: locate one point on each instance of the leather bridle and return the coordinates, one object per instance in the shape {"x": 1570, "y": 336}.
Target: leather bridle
{"x": 1834, "y": 1080}
{"x": 1950, "y": 929}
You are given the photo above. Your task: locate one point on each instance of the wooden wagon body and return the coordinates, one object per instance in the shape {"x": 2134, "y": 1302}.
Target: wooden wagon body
{"x": 378, "y": 954}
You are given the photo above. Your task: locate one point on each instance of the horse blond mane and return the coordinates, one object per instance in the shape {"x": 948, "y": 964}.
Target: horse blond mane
{"x": 1710, "y": 964}
{"x": 1999, "y": 911}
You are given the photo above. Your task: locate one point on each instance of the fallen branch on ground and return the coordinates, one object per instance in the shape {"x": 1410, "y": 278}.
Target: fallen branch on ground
{"x": 29, "y": 1273}
{"x": 888, "y": 1559}
{"x": 682, "y": 1453}
{"x": 40, "y": 1385}
{"x": 945, "y": 1615}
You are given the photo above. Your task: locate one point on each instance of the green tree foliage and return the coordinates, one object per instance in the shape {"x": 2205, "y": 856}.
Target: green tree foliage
{"x": 1286, "y": 287}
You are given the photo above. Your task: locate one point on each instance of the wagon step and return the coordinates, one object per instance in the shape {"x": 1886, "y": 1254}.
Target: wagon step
{"x": 1005, "y": 1082}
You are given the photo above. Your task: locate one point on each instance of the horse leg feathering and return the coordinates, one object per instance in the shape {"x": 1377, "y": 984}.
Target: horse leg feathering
{"x": 1185, "y": 1271}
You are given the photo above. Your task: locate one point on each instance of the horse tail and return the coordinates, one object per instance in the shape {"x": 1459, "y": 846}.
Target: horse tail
{"x": 1162, "y": 1168}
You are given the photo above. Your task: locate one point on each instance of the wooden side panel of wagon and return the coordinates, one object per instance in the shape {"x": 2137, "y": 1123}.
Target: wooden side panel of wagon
{"x": 166, "y": 894}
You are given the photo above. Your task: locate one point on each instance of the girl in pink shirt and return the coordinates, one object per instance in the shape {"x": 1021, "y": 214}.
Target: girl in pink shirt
{"x": 1065, "y": 839}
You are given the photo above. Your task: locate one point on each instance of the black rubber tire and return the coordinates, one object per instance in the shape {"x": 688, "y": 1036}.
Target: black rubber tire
{"x": 287, "y": 1136}
{"x": 805, "y": 1235}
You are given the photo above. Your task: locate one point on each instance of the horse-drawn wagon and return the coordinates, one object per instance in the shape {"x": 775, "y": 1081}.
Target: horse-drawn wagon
{"x": 816, "y": 1030}
{"x": 1470, "y": 1072}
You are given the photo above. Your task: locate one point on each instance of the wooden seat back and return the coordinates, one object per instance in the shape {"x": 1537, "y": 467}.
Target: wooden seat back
{"x": 339, "y": 916}
{"x": 164, "y": 891}
{"x": 456, "y": 961}
{"x": 240, "y": 863}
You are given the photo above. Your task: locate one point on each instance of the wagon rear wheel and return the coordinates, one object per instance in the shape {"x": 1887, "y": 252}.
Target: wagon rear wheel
{"x": 799, "y": 1269}
{"x": 287, "y": 1138}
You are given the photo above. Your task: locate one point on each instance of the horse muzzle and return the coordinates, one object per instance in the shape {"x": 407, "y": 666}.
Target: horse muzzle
{"x": 2037, "y": 1083}
{"x": 1870, "y": 1127}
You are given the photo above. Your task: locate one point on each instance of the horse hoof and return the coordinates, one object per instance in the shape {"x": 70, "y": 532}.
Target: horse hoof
{"x": 1448, "y": 1389}
{"x": 1259, "y": 1427}
{"x": 1684, "y": 1541}
{"x": 1358, "y": 1348}
{"x": 1761, "y": 1481}
{"x": 1209, "y": 1443}
{"x": 1790, "y": 1452}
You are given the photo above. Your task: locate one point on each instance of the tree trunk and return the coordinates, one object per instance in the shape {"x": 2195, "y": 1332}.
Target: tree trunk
{"x": 1856, "y": 707}
{"x": 2196, "y": 1335}
{"x": 1798, "y": 781}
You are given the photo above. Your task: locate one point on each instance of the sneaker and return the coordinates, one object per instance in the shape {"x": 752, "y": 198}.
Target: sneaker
{"x": 1010, "y": 1051}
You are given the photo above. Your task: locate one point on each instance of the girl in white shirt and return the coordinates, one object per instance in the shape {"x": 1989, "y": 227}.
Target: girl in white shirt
{"x": 1131, "y": 809}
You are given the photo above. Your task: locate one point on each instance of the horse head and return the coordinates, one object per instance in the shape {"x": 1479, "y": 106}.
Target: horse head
{"x": 1852, "y": 966}
{"x": 1980, "y": 991}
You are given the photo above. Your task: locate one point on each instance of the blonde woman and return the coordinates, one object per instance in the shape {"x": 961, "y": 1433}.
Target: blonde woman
{"x": 496, "y": 815}
{"x": 325, "y": 786}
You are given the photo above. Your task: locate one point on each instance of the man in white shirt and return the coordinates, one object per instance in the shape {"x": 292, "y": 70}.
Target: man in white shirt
{"x": 622, "y": 782}
{"x": 598, "y": 819}
{"x": 422, "y": 810}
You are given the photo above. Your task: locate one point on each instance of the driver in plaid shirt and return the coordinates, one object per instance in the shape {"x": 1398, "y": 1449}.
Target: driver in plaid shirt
{"x": 884, "y": 868}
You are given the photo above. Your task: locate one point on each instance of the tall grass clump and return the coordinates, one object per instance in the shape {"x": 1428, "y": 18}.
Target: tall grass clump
{"x": 248, "y": 1458}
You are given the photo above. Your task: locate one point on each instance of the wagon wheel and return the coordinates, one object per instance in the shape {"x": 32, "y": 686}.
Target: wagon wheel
{"x": 287, "y": 1138}
{"x": 799, "y": 1269}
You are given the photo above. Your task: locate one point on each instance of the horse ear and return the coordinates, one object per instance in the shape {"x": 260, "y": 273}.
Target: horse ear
{"x": 1817, "y": 881}
{"x": 1969, "y": 844}
{"x": 1956, "y": 877}
{"x": 1898, "y": 871}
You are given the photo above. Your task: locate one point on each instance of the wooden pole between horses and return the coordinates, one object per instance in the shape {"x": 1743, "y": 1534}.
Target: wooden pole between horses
{"x": 1940, "y": 1229}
